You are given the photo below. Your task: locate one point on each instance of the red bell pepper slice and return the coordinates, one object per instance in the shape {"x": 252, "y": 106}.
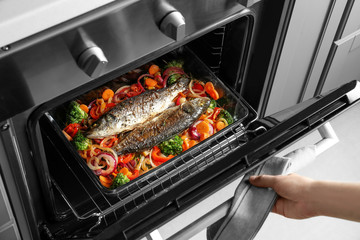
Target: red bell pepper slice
{"x": 93, "y": 112}
{"x": 198, "y": 86}
{"x": 110, "y": 143}
{"x": 137, "y": 87}
{"x": 72, "y": 129}
{"x": 134, "y": 175}
{"x": 216, "y": 113}
{"x": 132, "y": 94}
{"x": 126, "y": 158}
{"x": 110, "y": 105}
{"x": 157, "y": 156}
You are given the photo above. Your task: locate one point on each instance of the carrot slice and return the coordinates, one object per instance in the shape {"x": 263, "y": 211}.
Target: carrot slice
{"x": 106, "y": 182}
{"x": 192, "y": 143}
{"x": 105, "y": 179}
{"x": 154, "y": 69}
{"x": 67, "y": 135}
{"x": 204, "y": 136}
{"x": 203, "y": 116}
{"x": 108, "y": 93}
{"x": 150, "y": 82}
{"x": 210, "y": 89}
{"x": 203, "y": 127}
{"x": 125, "y": 171}
{"x": 220, "y": 125}
{"x": 84, "y": 108}
{"x": 185, "y": 144}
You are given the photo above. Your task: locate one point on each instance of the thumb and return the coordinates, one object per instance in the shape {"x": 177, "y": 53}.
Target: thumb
{"x": 262, "y": 181}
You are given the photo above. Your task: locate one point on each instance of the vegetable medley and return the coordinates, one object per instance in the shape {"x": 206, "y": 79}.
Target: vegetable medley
{"x": 113, "y": 170}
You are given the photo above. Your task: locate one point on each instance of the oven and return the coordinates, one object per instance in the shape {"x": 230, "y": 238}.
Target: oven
{"x": 51, "y": 192}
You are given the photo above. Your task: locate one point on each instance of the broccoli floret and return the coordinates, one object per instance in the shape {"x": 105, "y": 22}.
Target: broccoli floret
{"x": 172, "y": 146}
{"x": 212, "y": 104}
{"x": 119, "y": 180}
{"x": 174, "y": 63}
{"x": 226, "y": 115}
{"x": 81, "y": 142}
{"x": 223, "y": 102}
{"x": 75, "y": 114}
{"x": 173, "y": 78}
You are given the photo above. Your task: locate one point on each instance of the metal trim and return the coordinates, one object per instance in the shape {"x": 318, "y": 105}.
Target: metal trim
{"x": 270, "y": 76}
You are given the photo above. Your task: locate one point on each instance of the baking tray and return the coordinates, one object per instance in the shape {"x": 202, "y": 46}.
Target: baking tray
{"x": 194, "y": 67}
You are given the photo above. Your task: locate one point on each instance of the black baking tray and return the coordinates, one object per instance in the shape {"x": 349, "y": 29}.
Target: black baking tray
{"x": 193, "y": 66}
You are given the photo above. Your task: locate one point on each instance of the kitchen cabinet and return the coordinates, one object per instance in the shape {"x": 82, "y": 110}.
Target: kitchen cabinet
{"x": 343, "y": 60}
{"x": 320, "y": 52}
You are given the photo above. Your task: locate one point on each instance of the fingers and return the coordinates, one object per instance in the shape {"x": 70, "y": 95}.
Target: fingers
{"x": 263, "y": 181}
{"x": 278, "y": 207}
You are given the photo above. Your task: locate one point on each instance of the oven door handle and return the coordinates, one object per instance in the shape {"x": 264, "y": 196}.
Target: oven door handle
{"x": 298, "y": 159}
{"x": 306, "y": 155}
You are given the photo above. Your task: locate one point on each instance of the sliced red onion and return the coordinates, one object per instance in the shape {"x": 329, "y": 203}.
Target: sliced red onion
{"x": 110, "y": 161}
{"x": 124, "y": 88}
{"x": 142, "y": 76}
{"x": 211, "y": 131}
{"x": 91, "y": 104}
{"x": 93, "y": 163}
{"x": 194, "y": 134}
{"x": 165, "y": 80}
{"x": 121, "y": 164}
{"x": 159, "y": 79}
{"x": 131, "y": 165}
{"x": 119, "y": 96}
{"x": 109, "y": 154}
{"x": 171, "y": 70}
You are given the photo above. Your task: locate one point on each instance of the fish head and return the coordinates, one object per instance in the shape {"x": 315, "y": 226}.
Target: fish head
{"x": 196, "y": 105}
{"x": 102, "y": 127}
{"x": 182, "y": 83}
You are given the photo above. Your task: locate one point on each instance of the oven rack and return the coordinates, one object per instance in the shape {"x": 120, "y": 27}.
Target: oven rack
{"x": 102, "y": 210}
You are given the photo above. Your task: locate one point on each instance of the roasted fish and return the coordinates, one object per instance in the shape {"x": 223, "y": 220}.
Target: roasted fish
{"x": 172, "y": 121}
{"x": 136, "y": 110}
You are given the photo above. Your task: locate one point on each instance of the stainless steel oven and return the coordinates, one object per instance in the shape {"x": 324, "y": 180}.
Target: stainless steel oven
{"x": 53, "y": 195}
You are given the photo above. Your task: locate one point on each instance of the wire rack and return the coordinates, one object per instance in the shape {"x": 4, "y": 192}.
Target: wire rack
{"x": 85, "y": 201}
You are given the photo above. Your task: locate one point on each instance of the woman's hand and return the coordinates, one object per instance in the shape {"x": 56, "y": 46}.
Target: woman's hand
{"x": 293, "y": 191}
{"x": 301, "y": 197}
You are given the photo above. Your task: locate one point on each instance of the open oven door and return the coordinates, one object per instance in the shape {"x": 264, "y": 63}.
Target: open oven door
{"x": 268, "y": 136}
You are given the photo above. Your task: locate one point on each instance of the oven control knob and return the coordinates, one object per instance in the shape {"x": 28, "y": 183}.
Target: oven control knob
{"x": 92, "y": 61}
{"x": 173, "y": 25}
